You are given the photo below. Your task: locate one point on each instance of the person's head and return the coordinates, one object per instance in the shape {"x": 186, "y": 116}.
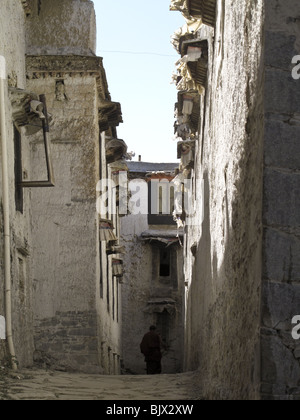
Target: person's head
{"x": 152, "y": 328}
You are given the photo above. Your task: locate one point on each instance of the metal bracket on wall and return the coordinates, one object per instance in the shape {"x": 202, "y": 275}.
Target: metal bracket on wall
{"x": 50, "y": 181}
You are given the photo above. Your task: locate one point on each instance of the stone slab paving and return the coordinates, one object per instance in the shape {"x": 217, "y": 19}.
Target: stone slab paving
{"x": 47, "y": 385}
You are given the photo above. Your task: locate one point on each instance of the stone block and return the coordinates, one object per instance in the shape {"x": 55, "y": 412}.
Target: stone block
{"x": 61, "y": 333}
{"x": 282, "y": 144}
{"x": 279, "y": 367}
{"x": 281, "y": 256}
{"x": 88, "y": 332}
{"x": 279, "y": 49}
{"x": 297, "y": 352}
{"x": 93, "y": 345}
{"x": 49, "y": 322}
{"x": 281, "y": 92}
{"x": 281, "y": 198}
{"x": 77, "y": 347}
{"x": 56, "y": 347}
{"x": 66, "y": 322}
{"x": 281, "y": 302}
{"x": 282, "y": 15}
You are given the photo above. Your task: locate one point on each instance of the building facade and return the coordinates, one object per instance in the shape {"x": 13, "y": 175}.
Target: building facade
{"x": 59, "y": 253}
{"x": 153, "y": 288}
{"x": 237, "y": 117}
{"x": 15, "y": 270}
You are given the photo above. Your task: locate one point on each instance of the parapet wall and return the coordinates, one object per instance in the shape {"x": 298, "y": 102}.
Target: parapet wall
{"x": 75, "y": 28}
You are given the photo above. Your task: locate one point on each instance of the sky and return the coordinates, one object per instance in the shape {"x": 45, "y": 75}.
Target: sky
{"x": 134, "y": 39}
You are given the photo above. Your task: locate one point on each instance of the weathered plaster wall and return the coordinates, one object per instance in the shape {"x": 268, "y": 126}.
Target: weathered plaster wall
{"x": 75, "y": 327}
{"x": 75, "y": 27}
{"x": 109, "y": 289}
{"x": 140, "y": 286}
{"x": 12, "y": 47}
{"x": 12, "y": 41}
{"x": 110, "y": 316}
{"x": 224, "y": 290}
{"x": 64, "y": 225}
{"x": 281, "y": 214}
{"x": 136, "y": 291}
{"x": 56, "y": 253}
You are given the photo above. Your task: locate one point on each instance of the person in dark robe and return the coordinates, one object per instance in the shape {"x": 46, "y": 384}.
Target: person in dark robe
{"x": 151, "y": 347}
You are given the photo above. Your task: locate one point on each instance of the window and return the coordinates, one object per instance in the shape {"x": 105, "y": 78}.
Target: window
{"x": 107, "y": 286}
{"x": 118, "y": 300}
{"x": 166, "y": 201}
{"x": 22, "y": 278}
{"x": 101, "y": 268}
{"x": 164, "y": 266}
{"x": 18, "y": 171}
{"x": 165, "y": 263}
{"x": 113, "y": 297}
{"x": 161, "y": 198}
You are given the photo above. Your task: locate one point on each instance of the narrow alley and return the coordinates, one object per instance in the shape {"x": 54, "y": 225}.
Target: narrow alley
{"x": 165, "y": 247}
{"x": 46, "y": 385}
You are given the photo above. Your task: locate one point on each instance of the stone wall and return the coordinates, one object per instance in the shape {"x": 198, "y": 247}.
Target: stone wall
{"x": 68, "y": 341}
{"x": 49, "y": 47}
{"x": 281, "y": 215}
{"x": 69, "y": 263}
{"x": 224, "y": 270}
{"x": 12, "y": 47}
{"x": 12, "y": 41}
{"x": 243, "y": 274}
{"x": 64, "y": 223}
{"x": 75, "y": 27}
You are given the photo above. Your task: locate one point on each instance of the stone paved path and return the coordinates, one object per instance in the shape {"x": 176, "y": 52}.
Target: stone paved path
{"x": 42, "y": 385}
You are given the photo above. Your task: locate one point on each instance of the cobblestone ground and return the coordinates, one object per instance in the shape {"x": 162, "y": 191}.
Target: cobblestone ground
{"x": 46, "y": 385}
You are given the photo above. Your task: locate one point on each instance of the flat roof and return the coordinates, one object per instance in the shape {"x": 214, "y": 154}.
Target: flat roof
{"x": 144, "y": 167}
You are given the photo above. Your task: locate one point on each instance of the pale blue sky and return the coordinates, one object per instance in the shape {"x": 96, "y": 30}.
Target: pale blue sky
{"x": 141, "y": 82}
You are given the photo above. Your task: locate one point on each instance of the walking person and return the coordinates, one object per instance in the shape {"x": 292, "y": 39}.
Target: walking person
{"x": 151, "y": 347}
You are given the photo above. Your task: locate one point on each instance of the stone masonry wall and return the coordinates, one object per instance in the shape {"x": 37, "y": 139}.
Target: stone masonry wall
{"x": 224, "y": 277}
{"x": 281, "y": 211}
{"x": 67, "y": 341}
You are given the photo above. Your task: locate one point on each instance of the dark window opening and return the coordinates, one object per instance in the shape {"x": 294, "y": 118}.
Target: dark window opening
{"x": 22, "y": 279}
{"x": 117, "y": 300}
{"x": 19, "y": 199}
{"x": 101, "y": 271}
{"x": 108, "y": 288}
{"x": 113, "y": 297}
{"x": 165, "y": 263}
